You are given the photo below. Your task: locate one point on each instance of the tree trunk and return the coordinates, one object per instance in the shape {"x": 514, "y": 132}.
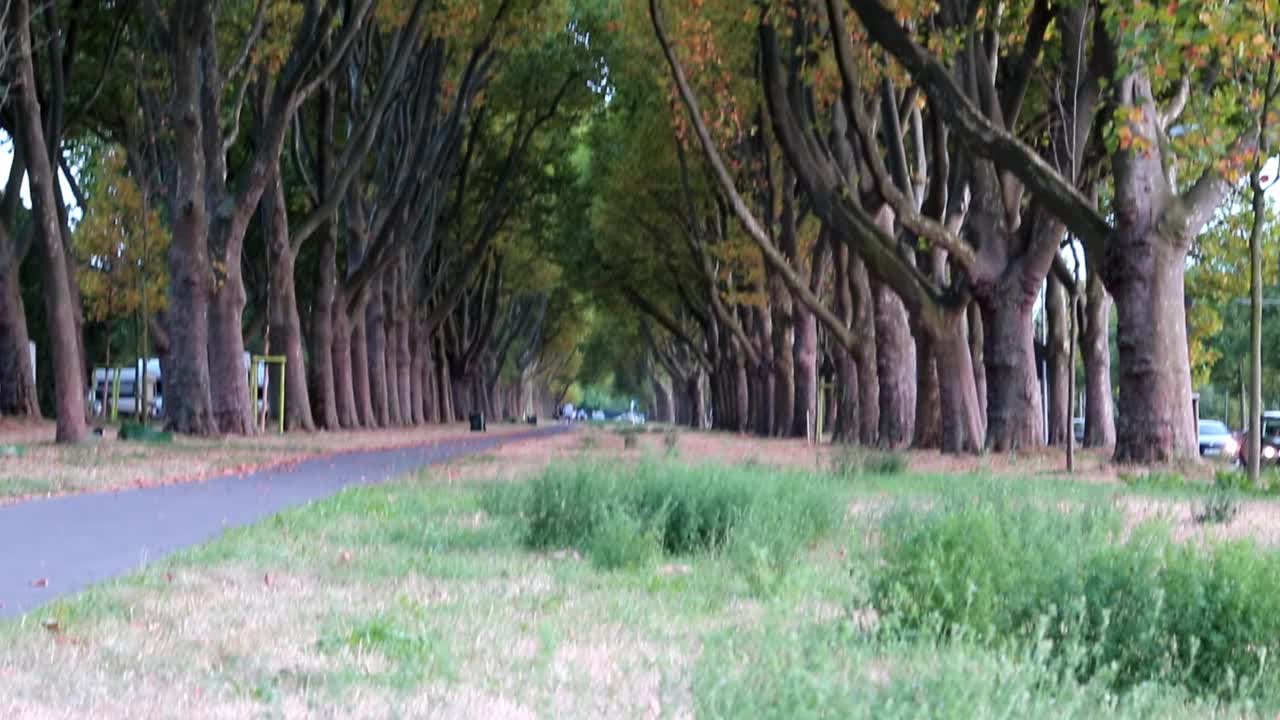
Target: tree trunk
{"x": 865, "y": 355}
{"x": 1058, "y": 383}
{"x": 17, "y": 389}
{"x": 418, "y": 351}
{"x": 360, "y": 370}
{"x": 805, "y": 349}
{"x": 895, "y": 369}
{"x": 1014, "y": 413}
{"x": 1156, "y": 422}
{"x": 693, "y": 387}
{"x": 784, "y": 374}
{"x": 766, "y": 403}
{"x": 409, "y": 413}
{"x": 344, "y": 372}
{"x": 232, "y": 408}
{"x": 284, "y": 326}
{"x": 323, "y": 390}
{"x": 977, "y": 337}
{"x": 962, "y": 424}
{"x": 742, "y": 394}
{"x": 1095, "y": 350}
{"x": 391, "y": 344}
{"x": 929, "y": 411}
{"x": 67, "y": 366}
{"x": 443, "y": 391}
{"x": 376, "y": 355}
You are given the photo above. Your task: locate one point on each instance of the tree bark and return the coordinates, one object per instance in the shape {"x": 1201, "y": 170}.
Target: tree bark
{"x": 17, "y": 389}
{"x": 409, "y": 413}
{"x": 418, "y": 350}
{"x": 360, "y": 370}
{"x": 895, "y": 368}
{"x": 1057, "y": 307}
{"x": 977, "y": 337}
{"x": 67, "y": 367}
{"x": 376, "y": 356}
{"x": 865, "y": 355}
{"x": 344, "y": 371}
{"x": 1095, "y": 351}
{"x": 962, "y": 423}
{"x": 320, "y": 371}
{"x": 929, "y": 411}
{"x": 1014, "y": 412}
{"x": 805, "y": 353}
{"x": 784, "y": 380}
{"x": 284, "y": 327}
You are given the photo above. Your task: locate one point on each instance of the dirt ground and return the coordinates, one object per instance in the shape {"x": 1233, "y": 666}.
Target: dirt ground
{"x": 40, "y": 468}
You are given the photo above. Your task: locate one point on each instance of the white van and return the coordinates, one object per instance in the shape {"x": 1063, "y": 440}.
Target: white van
{"x": 120, "y": 389}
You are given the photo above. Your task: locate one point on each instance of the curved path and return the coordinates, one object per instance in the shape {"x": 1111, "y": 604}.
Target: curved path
{"x": 55, "y": 547}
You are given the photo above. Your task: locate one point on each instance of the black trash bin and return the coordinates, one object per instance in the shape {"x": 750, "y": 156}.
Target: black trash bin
{"x": 531, "y": 419}
{"x": 477, "y": 422}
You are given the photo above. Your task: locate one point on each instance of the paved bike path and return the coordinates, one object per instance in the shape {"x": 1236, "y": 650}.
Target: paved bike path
{"x": 58, "y": 546}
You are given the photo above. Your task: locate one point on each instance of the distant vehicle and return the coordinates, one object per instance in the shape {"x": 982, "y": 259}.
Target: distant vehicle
{"x": 122, "y": 390}
{"x": 1270, "y": 440}
{"x": 1217, "y": 440}
{"x": 597, "y": 415}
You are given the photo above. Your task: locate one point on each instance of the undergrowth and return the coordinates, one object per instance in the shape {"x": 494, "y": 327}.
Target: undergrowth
{"x": 628, "y": 514}
{"x": 1012, "y": 575}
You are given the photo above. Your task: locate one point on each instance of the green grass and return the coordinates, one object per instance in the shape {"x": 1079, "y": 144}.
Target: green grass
{"x": 721, "y": 592}
{"x": 1137, "y": 610}
{"x": 626, "y": 515}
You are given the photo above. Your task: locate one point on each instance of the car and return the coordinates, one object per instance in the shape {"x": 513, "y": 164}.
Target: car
{"x": 1217, "y": 440}
{"x": 1270, "y": 440}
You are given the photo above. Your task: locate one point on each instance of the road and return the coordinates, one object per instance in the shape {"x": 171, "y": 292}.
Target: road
{"x": 58, "y": 546}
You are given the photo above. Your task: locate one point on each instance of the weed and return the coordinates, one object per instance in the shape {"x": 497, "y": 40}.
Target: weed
{"x": 1147, "y": 610}
{"x": 613, "y": 508}
{"x": 1161, "y": 480}
{"x": 1219, "y": 508}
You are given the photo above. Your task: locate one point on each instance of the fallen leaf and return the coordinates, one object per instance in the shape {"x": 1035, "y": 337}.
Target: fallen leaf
{"x": 344, "y": 556}
{"x": 51, "y": 624}
{"x": 168, "y": 577}
{"x": 40, "y": 583}
{"x": 266, "y": 580}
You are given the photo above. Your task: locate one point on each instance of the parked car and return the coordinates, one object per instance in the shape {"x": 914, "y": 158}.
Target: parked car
{"x": 1270, "y": 440}
{"x": 1217, "y": 440}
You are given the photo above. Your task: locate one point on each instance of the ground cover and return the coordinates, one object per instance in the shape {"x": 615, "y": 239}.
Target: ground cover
{"x": 651, "y": 583}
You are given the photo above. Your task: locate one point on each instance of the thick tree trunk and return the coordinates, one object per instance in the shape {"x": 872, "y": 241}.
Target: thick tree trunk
{"x": 460, "y": 388}
{"x": 67, "y": 365}
{"x": 693, "y": 388}
{"x": 323, "y": 390}
{"x": 1057, "y": 307}
{"x": 444, "y": 393}
{"x": 784, "y": 378}
{"x": 17, "y": 389}
{"x": 344, "y": 366}
{"x": 805, "y": 349}
{"x": 391, "y": 344}
{"x": 664, "y": 410}
{"x": 284, "y": 326}
{"x": 895, "y": 369}
{"x": 866, "y": 354}
{"x": 1156, "y": 422}
{"x": 376, "y": 355}
{"x": 929, "y": 411}
{"x": 962, "y": 424}
{"x": 360, "y": 370}
{"x": 1095, "y": 351}
{"x": 1014, "y": 413}
{"x": 766, "y": 403}
{"x": 232, "y": 408}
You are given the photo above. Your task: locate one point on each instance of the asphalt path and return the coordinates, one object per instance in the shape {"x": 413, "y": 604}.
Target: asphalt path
{"x": 58, "y": 546}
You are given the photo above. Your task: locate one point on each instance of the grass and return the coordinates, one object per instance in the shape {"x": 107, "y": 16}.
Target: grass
{"x": 607, "y": 588}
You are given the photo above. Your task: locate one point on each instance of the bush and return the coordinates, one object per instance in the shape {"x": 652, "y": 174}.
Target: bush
{"x": 605, "y": 508}
{"x": 1145, "y": 610}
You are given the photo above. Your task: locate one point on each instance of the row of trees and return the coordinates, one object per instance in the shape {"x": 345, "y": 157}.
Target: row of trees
{"x": 888, "y": 194}
{"x": 362, "y": 186}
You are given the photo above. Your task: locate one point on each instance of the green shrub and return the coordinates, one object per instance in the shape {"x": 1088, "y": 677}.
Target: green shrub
{"x": 832, "y": 670}
{"x": 603, "y": 507}
{"x": 619, "y": 540}
{"x": 1141, "y": 611}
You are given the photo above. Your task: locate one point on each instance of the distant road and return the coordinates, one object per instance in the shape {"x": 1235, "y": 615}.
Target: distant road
{"x": 56, "y": 547}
